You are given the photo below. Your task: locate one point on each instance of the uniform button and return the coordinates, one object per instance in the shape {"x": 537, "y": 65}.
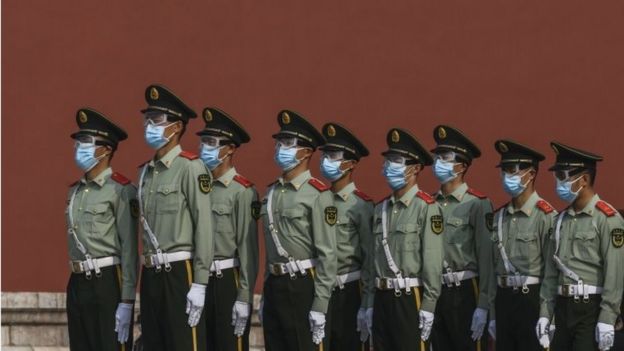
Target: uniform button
{"x": 283, "y": 190}
{"x": 79, "y": 208}
{"x": 155, "y": 172}
{"x": 445, "y": 204}
{"x": 86, "y": 190}
{"x": 395, "y": 211}
{"x": 575, "y": 219}
{"x": 151, "y": 191}
{"x": 514, "y": 219}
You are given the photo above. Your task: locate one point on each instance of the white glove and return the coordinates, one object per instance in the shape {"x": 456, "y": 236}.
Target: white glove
{"x": 425, "y": 323}
{"x": 492, "y": 328}
{"x": 551, "y": 331}
{"x": 195, "y": 303}
{"x": 479, "y": 318}
{"x": 317, "y": 326}
{"x": 604, "y": 336}
{"x": 240, "y": 315}
{"x": 369, "y": 320}
{"x": 123, "y": 316}
{"x": 542, "y": 330}
{"x": 361, "y": 324}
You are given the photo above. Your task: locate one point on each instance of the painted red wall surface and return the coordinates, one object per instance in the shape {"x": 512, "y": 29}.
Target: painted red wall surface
{"x": 529, "y": 70}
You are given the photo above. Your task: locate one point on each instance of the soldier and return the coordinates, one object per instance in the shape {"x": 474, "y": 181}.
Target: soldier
{"x": 461, "y": 313}
{"x": 408, "y": 248}
{"x": 175, "y": 205}
{"x": 583, "y": 280}
{"x": 235, "y": 208}
{"x": 521, "y": 231}
{"x": 299, "y": 221}
{"x": 341, "y": 154}
{"x": 102, "y": 242}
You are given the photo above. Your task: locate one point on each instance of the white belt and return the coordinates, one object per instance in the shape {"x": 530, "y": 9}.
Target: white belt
{"x": 164, "y": 258}
{"x": 292, "y": 267}
{"x": 455, "y": 278}
{"x": 577, "y": 290}
{"x": 519, "y": 281}
{"x": 93, "y": 265}
{"x": 348, "y": 278}
{"x": 218, "y": 265}
{"x": 396, "y": 284}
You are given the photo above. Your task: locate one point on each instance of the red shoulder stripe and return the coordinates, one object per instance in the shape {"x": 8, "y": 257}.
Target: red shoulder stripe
{"x": 544, "y": 206}
{"x": 189, "y": 155}
{"x": 476, "y": 193}
{"x": 243, "y": 181}
{"x": 318, "y": 184}
{"x": 362, "y": 196}
{"x": 426, "y": 197}
{"x": 605, "y": 208}
{"x": 119, "y": 178}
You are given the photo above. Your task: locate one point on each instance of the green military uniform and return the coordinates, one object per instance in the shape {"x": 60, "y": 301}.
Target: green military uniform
{"x": 304, "y": 220}
{"x": 104, "y": 221}
{"x": 583, "y": 282}
{"x": 174, "y": 194}
{"x": 519, "y": 258}
{"x": 414, "y": 247}
{"x": 235, "y": 208}
{"x": 354, "y": 244}
{"x": 467, "y": 252}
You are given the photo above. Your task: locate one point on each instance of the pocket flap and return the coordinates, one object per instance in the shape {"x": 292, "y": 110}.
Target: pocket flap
{"x": 343, "y": 220}
{"x": 167, "y": 189}
{"x": 95, "y": 209}
{"x": 222, "y": 209}
{"x": 585, "y": 235}
{"x": 293, "y": 212}
{"x": 406, "y": 227}
{"x": 529, "y": 236}
{"x": 455, "y": 221}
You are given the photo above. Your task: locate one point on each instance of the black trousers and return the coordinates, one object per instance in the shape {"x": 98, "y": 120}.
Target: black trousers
{"x": 220, "y": 297}
{"x": 91, "y": 305}
{"x": 164, "y": 321}
{"x": 395, "y": 321}
{"x": 287, "y": 304}
{"x": 342, "y": 319}
{"x": 575, "y": 323}
{"x": 516, "y": 316}
{"x": 453, "y": 318}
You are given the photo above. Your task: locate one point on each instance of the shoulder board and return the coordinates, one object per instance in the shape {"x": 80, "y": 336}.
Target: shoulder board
{"x": 119, "y": 178}
{"x": 476, "y": 193}
{"x": 426, "y": 197}
{"x": 362, "y": 196}
{"x": 189, "y": 155}
{"x": 605, "y": 208}
{"x": 243, "y": 181}
{"x": 544, "y": 206}
{"x": 74, "y": 183}
{"x": 318, "y": 184}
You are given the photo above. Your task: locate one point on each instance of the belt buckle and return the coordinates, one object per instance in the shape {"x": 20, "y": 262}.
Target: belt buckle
{"x": 76, "y": 266}
{"x": 149, "y": 262}
{"x": 504, "y": 282}
{"x": 383, "y": 283}
{"x": 566, "y": 290}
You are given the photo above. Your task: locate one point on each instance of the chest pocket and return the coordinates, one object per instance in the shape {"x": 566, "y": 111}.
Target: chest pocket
{"x": 97, "y": 213}
{"x": 526, "y": 244}
{"x": 586, "y": 246}
{"x": 223, "y": 218}
{"x": 168, "y": 198}
{"x": 345, "y": 224}
{"x": 456, "y": 230}
{"x": 410, "y": 240}
{"x": 294, "y": 220}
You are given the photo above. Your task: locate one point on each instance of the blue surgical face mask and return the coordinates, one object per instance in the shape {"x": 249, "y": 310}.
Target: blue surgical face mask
{"x": 443, "y": 170}
{"x": 331, "y": 169}
{"x": 564, "y": 190}
{"x": 210, "y": 156}
{"x": 154, "y": 136}
{"x": 512, "y": 184}
{"x": 395, "y": 174}
{"x": 286, "y": 158}
{"x": 85, "y": 157}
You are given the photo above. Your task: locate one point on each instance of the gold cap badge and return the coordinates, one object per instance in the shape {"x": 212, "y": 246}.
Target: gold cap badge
{"x": 207, "y": 115}
{"x": 441, "y": 133}
{"x": 503, "y": 147}
{"x": 154, "y": 93}
{"x": 285, "y": 118}
{"x": 331, "y": 131}
{"x": 82, "y": 117}
{"x": 395, "y": 136}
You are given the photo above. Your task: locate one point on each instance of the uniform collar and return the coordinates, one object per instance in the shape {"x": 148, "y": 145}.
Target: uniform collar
{"x": 589, "y": 208}
{"x": 298, "y": 181}
{"x": 226, "y": 178}
{"x": 458, "y": 193}
{"x": 100, "y": 179}
{"x": 167, "y": 160}
{"x": 407, "y": 197}
{"x": 346, "y": 191}
{"x": 528, "y": 206}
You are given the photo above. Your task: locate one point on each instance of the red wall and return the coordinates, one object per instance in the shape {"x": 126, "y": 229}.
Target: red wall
{"x": 530, "y": 70}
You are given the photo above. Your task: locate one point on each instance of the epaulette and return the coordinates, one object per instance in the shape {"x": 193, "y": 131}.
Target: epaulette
{"x": 119, "y": 178}
{"x": 243, "y": 181}
{"x": 544, "y": 206}
{"x": 362, "y": 196}
{"x": 605, "y": 208}
{"x": 426, "y": 197}
{"x": 476, "y": 193}
{"x": 318, "y": 184}
{"x": 189, "y": 155}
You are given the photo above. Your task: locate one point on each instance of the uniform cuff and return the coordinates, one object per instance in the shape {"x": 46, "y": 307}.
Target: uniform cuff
{"x": 128, "y": 293}
{"x": 607, "y": 317}
{"x": 320, "y": 305}
{"x": 201, "y": 276}
{"x": 428, "y": 305}
{"x": 243, "y": 295}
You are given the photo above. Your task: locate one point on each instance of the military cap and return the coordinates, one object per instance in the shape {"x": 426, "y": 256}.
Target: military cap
{"x": 569, "y": 157}
{"x": 401, "y": 142}
{"x": 512, "y": 152}
{"x": 219, "y": 123}
{"x": 293, "y": 124}
{"x": 160, "y": 98}
{"x": 452, "y": 139}
{"x": 339, "y": 138}
{"x": 92, "y": 122}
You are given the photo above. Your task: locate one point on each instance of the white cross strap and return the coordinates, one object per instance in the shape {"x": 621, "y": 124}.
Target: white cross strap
{"x": 90, "y": 264}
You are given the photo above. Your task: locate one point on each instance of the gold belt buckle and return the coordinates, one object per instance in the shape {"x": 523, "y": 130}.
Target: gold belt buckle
{"x": 383, "y": 283}
{"x": 77, "y": 267}
{"x": 565, "y": 290}
{"x": 149, "y": 261}
{"x": 276, "y": 269}
{"x": 504, "y": 281}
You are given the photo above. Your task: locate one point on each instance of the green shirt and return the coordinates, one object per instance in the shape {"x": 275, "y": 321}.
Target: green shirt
{"x": 467, "y": 244}
{"x": 300, "y": 212}
{"x": 590, "y": 245}
{"x": 416, "y": 243}
{"x": 354, "y": 238}
{"x": 176, "y": 203}
{"x": 106, "y": 224}
{"x": 235, "y": 228}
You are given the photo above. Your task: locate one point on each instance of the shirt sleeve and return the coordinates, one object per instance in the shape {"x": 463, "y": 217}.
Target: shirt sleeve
{"x": 432, "y": 257}
{"x": 247, "y": 244}
{"x": 482, "y": 214}
{"x": 548, "y": 290}
{"x": 324, "y": 237}
{"x": 613, "y": 268}
{"x": 365, "y": 230}
{"x": 126, "y": 214}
